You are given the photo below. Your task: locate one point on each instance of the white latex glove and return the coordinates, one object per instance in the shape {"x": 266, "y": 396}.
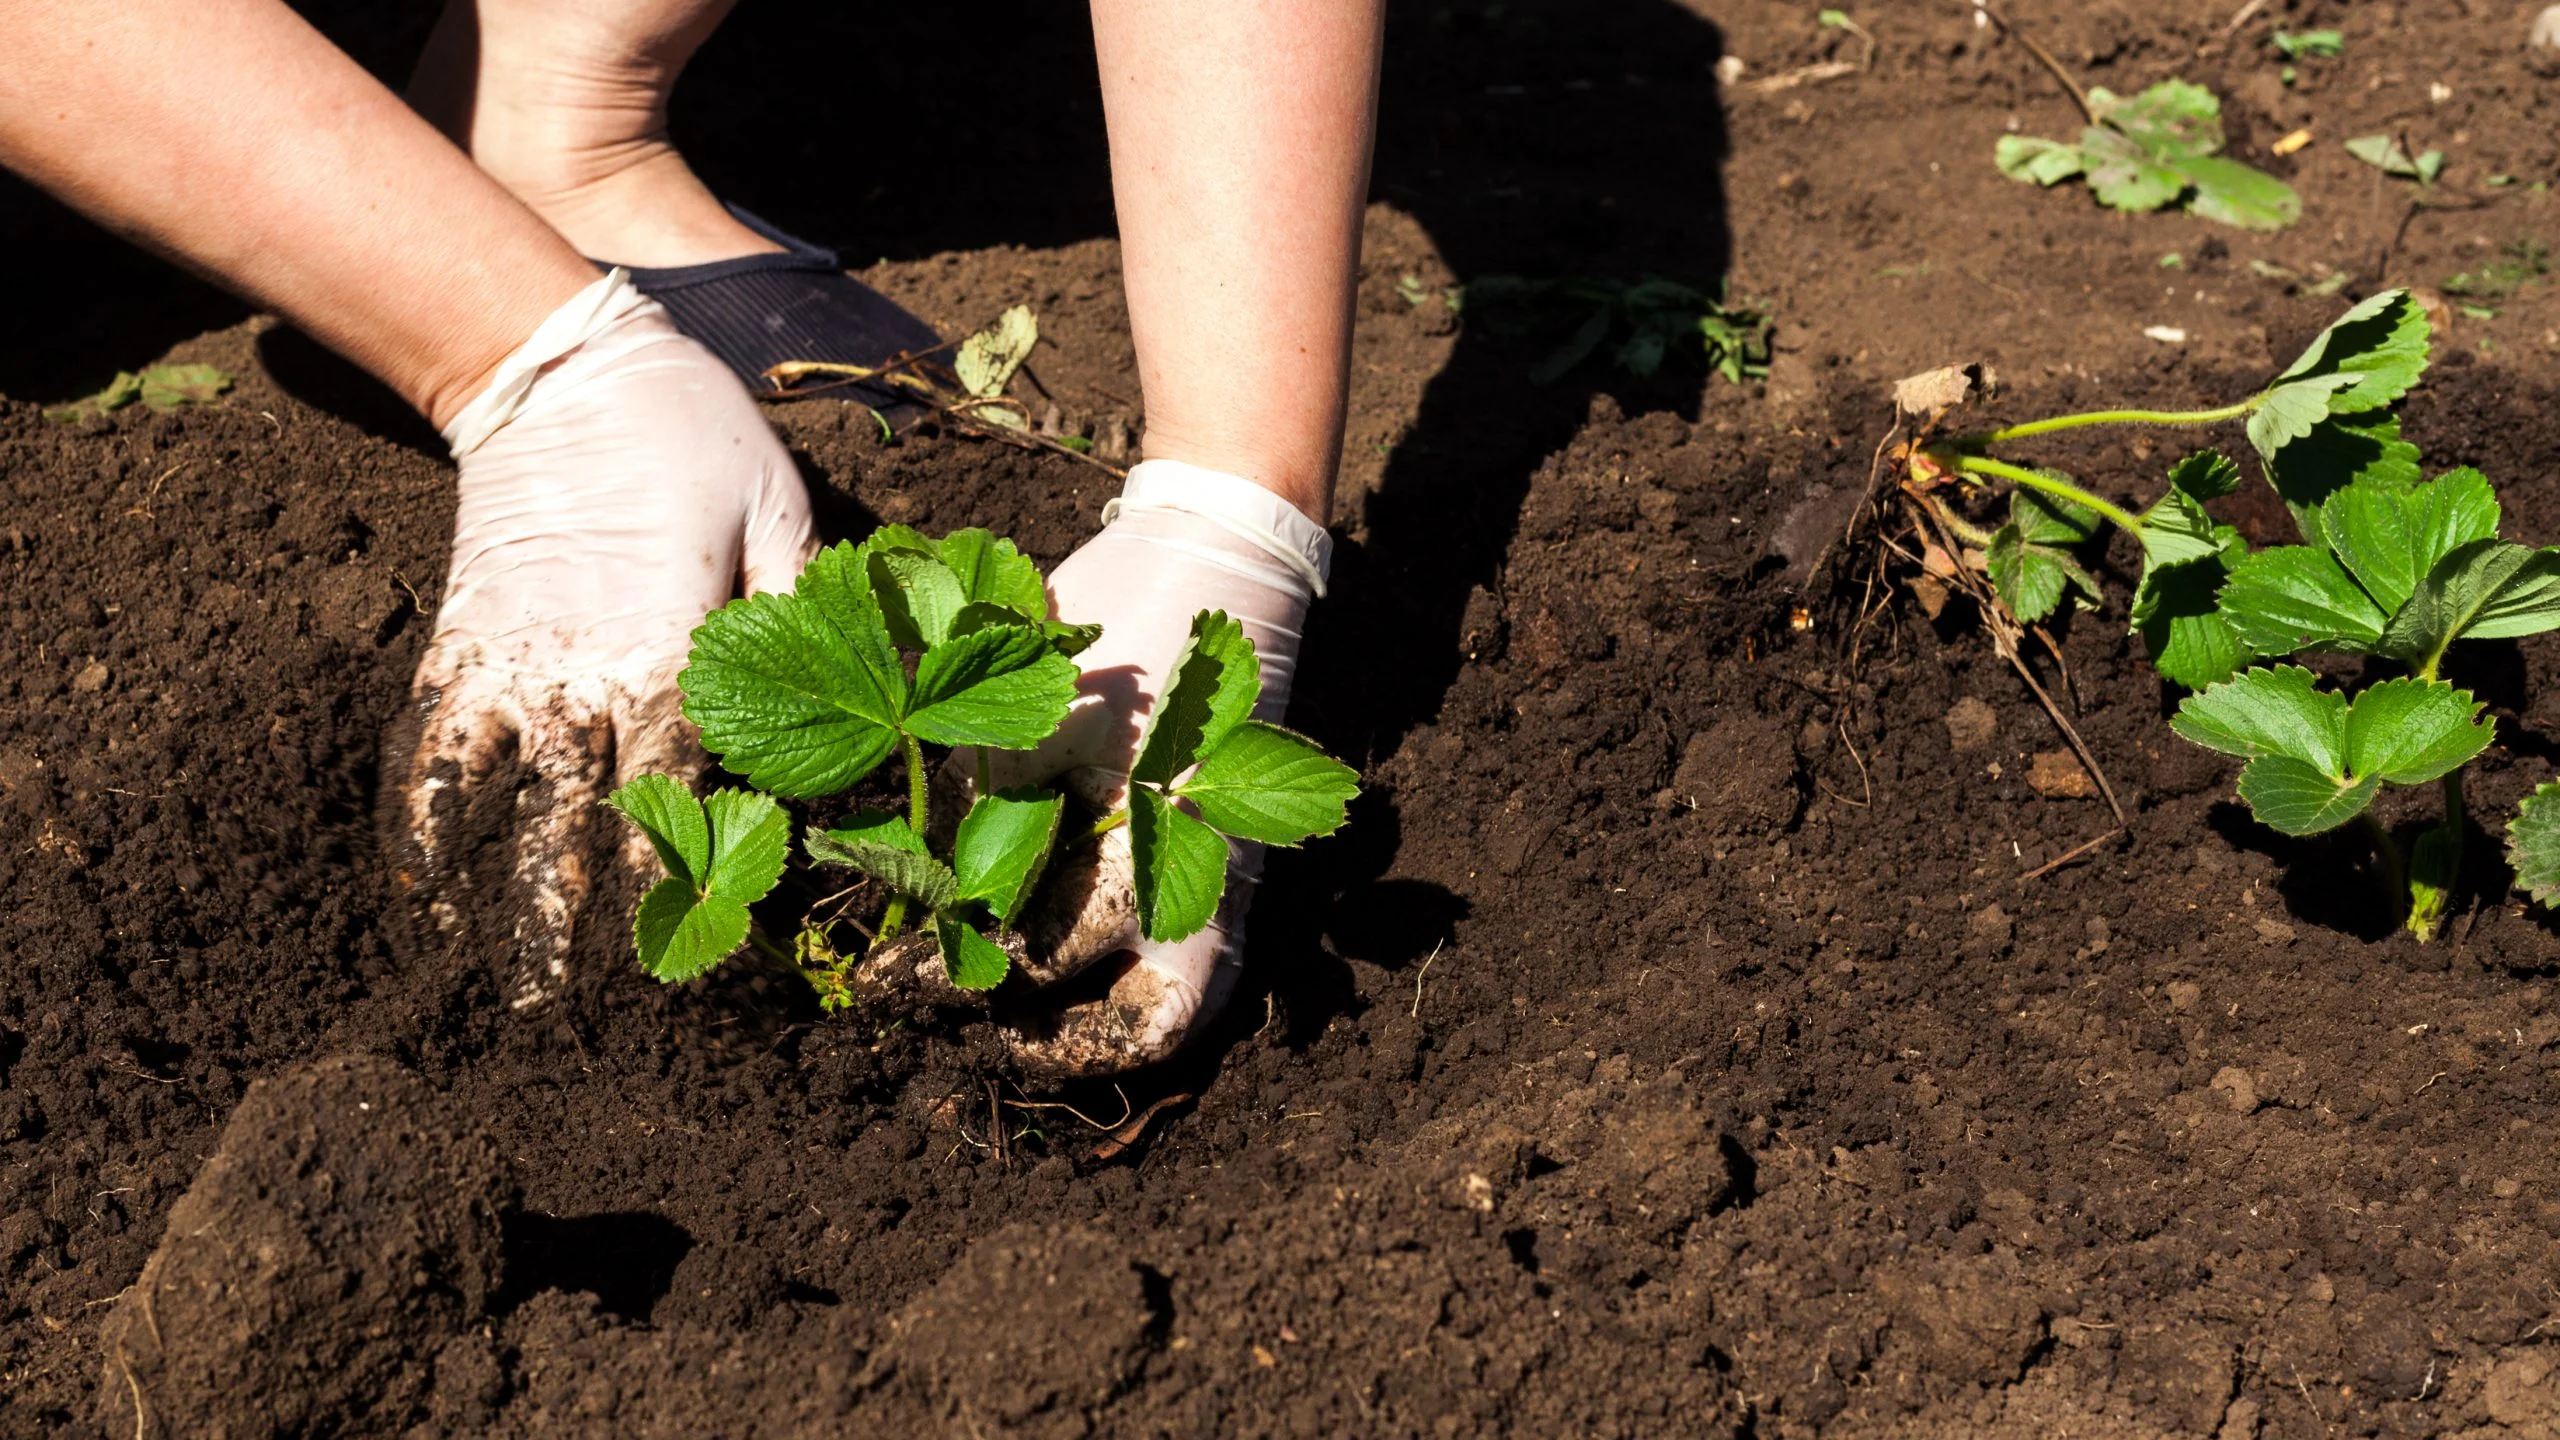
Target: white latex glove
{"x": 617, "y": 483}
{"x": 1179, "y": 540}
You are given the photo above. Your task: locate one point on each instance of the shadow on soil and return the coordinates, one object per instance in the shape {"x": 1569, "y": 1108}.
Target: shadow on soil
{"x": 627, "y": 1261}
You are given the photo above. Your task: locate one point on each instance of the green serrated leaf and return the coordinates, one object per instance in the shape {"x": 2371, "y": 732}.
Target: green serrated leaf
{"x": 1071, "y": 640}
{"x": 985, "y": 362}
{"x": 2290, "y": 410}
{"x": 1005, "y": 686}
{"x": 697, "y": 917}
{"x": 2176, "y": 529}
{"x": 2383, "y": 153}
{"x": 2028, "y": 157}
{"x": 2335, "y": 454}
{"x": 1269, "y": 784}
{"x": 2409, "y": 731}
{"x": 2288, "y": 795}
{"x": 837, "y": 587}
{"x": 874, "y": 827}
{"x": 2175, "y": 612}
{"x": 1181, "y": 867}
{"x": 2533, "y": 843}
{"x": 2485, "y": 590}
{"x": 2381, "y": 343}
{"x": 971, "y": 960}
{"x": 2044, "y": 519}
{"x": 2240, "y": 195}
{"x": 2205, "y": 475}
{"x": 2277, "y": 710}
{"x": 681, "y": 936}
{"x": 2031, "y": 578}
{"x": 2390, "y": 535}
{"x": 2173, "y": 119}
{"x": 2293, "y": 597}
{"x": 891, "y": 861}
{"x": 667, "y": 812}
{"x": 1216, "y": 680}
{"x": 787, "y": 699}
{"x": 1001, "y": 846}
{"x": 919, "y": 597}
{"x": 993, "y": 572}
{"x": 750, "y": 840}
{"x": 2126, "y": 176}
{"x": 2029, "y": 559}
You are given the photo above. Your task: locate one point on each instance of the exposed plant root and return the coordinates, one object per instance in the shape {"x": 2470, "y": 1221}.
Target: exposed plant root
{"x": 2005, "y": 632}
{"x": 1127, "y": 1135}
{"x": 935, "y": 391}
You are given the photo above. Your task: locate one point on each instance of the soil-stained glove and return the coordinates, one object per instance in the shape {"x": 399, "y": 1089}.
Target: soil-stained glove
{"x": 1179, "y": 540}
{"x": 617, "y": 483}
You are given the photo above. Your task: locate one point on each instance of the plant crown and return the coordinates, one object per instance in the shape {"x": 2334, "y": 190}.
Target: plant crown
{"x": 901, "y": 641}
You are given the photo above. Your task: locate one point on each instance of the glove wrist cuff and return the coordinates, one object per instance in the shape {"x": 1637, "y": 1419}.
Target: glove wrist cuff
{"x": 1236, "y": 505}
{"x": 585, "y": 316}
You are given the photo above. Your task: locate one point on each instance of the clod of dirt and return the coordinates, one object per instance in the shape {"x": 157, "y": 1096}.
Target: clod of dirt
{"x": 1034, "y": 1330}
{"x": 1971, "y": 724}
{"x": 1956, "y": 1326}
{"x": 348, "y": 1222}
{"x": 2520, "y": 1393}
{"x": 1988, "y": 932}
{"x": 1741, "y": 774}
{"x": 2237, "y": 1087}
{"x": 2059, "y": 775}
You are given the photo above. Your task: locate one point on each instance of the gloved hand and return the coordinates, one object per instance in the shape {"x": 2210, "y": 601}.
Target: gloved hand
{"x": 1179, "y": 540}
{"x": 616, "y": 484}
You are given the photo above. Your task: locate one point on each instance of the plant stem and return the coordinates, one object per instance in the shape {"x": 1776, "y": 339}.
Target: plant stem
{"x": 1108, "y": 823}
{"x": 2115, "y": 417}
{"x": 766, "y": 947}
{"x": 2020, "y": 474}
{"x": 919, "y": 812}
{"x": 919, "y": 788}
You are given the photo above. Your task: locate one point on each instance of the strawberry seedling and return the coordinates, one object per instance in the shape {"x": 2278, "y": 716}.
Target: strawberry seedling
{"x": 900, "y": 642}
{"x": 2152, "y": 151}
{"x": 2391, "y": 566}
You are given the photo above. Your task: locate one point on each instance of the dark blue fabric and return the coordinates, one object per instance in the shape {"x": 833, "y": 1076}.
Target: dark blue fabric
{"x": 757, "y": 311}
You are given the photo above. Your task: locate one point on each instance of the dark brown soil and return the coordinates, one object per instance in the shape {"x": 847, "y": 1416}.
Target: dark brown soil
{"x": 1673, "y": 1045}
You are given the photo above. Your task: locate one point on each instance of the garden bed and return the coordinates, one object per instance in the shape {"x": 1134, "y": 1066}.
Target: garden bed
{"x": 1686, "y": 1035}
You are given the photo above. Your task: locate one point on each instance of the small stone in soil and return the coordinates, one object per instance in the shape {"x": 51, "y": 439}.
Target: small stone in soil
{"x": 2059, "y": 775}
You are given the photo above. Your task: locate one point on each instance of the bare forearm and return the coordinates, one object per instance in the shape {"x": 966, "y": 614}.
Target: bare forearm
{"x": 1240, "y": 137}
{"x": 230, "y": 135}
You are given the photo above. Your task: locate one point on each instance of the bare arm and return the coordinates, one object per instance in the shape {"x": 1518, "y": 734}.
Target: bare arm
{"x": 1240, "y": 135}
{"x": 230, "y": 135}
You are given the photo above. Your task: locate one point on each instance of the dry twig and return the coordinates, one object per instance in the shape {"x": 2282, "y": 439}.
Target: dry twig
{"x": 2079, "y": 96}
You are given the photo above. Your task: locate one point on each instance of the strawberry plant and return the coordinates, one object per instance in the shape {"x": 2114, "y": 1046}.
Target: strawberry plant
{"x": 2391, "y": 566}
{"x": 883, "y": 648}
{"x": 2154, "y": 150}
